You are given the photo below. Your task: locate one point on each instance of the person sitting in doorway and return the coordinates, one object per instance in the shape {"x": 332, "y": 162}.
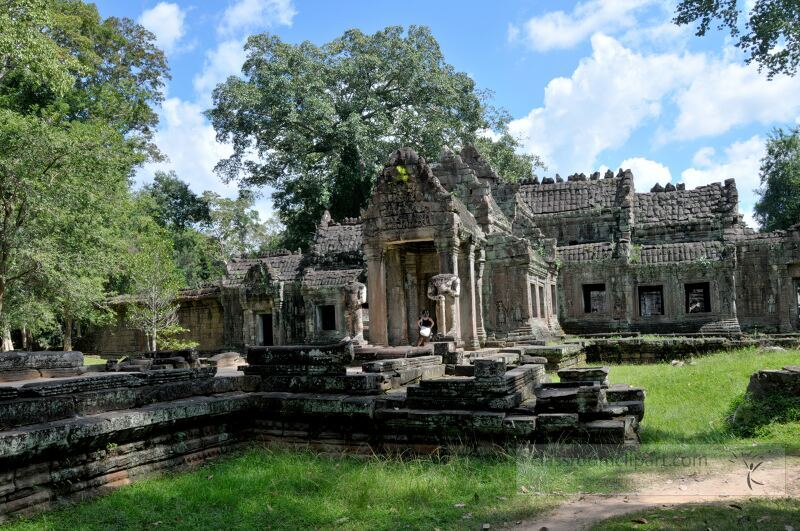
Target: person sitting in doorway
{"x": 425, "y": 324}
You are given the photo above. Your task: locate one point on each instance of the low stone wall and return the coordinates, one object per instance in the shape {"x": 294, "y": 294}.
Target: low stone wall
{"x": 655, "y": 350}
{"x": 22, "y": 365}
{"x": 67, "y": 439}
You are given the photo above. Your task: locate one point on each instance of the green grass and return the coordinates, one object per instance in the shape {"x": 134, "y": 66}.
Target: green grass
{"x": 762, "y": 514}
{"x": 262, "y": 489}
{"x": 282, "y": 489}
{"x": 691, "y": 403}
{"x": 93, "y": 360}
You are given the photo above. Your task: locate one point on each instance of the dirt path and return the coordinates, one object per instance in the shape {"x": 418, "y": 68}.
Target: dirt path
{"x": 712, "y": 486}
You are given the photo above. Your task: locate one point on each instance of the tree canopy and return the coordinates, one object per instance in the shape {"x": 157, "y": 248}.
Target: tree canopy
{"x": 770, "y": 36}
{"x": 779, "y": 204}
{"x": 317, "y": 122}
{"x": 76, "y": 117}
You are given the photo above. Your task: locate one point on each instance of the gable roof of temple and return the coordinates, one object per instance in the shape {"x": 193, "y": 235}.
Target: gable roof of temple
{"x": 338, "y": 244}
{"x": 281, "y": 266}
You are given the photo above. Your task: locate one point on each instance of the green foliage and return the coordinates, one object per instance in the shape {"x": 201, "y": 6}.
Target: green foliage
{"x": 60, "y": 187}
{"x": 321, "y": 120}
{"x": 751, "y": 417}
{"x": 175, "y": 206}
{"x": 155, "y": 281}
{"x": 89, "y": 68}
{"x": 771, "y": 35}
{"x": 236, "y": 226}
{"x": 503, "y": 153}
{"x": 779, "y": 204}
{"x": 169, "y": 338}
{"x": 28, "y": 55}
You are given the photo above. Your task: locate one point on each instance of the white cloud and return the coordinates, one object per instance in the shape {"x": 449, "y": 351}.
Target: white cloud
{"x": 560, "y": 30}
{"x": 223, "y": 61}
{"x": 741, "y": 161}
{"x": 608, "y": 96}
{"x": 646, "y": 173}
{"x": 729, "y": 94}
{"x": 166, "y": 21}
{"x": 246, "y": 15}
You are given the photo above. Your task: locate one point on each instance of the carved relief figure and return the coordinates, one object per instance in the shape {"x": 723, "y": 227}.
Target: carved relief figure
{"x": 355, "y": 296}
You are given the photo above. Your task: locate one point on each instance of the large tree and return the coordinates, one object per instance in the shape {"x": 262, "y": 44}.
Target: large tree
{"x": 76, "y": 115}
{"x": 779, "y": 204}
{"x": 60, "y": 187}
{"x": 317, "y": 122}
{"x": 770, "y": 36}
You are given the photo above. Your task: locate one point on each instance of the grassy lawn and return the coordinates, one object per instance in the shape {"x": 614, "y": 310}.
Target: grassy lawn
{"x": 93, "y": 360}
{"x": 779, "y": 514}
{"x": 281, "y": 489}
{"x": 690, "y": 403}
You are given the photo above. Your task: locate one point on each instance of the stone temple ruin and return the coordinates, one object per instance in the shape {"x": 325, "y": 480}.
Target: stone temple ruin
{"x": 327, "y": 335}
{"x": 494, "y": 261}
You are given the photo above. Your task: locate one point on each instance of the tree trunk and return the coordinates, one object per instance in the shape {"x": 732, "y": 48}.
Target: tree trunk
{"x": 8, "y": 345}
{"x": 25, "y": 337}
{"x": 67, "y": 333}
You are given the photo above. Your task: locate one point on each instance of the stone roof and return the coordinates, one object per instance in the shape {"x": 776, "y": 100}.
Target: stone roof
{"x": 679, "y": 207}
{"x": 570, "y": 196}
{"x": 314, "y": 278}
{"x": 587, "y": 252}
{"x": 338, "y": 238}
{"x": 681, "y": 252}
{"x": 282, "y": 266}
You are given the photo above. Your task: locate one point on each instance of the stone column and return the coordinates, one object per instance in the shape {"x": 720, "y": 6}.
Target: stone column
{"x": 481, "y": 331}
{"x": 409, "y": 261}
{"x": 376, "y": 295}
{"x": 469, "y": 325}
{"x": 447, "y": 250}
{"x": 395, "y": 298}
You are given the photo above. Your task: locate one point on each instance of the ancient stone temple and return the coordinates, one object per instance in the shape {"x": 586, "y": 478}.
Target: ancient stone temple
{"x": 492, "y": 260}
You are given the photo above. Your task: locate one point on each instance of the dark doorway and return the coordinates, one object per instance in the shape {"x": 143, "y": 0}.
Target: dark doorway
{"x": 327, "y": 317}
{"x": 266, "y": 329}
{"x": 651, "y": 300}
{"x": 594, "y": 298}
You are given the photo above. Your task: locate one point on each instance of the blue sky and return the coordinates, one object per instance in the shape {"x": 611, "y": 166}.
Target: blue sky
{"x": 590, "y": 85}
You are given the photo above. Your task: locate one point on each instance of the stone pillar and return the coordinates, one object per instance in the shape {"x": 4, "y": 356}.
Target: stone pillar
{"x": 376, "y": 295}
{"x": 469, "y": 326}
{"x": 481, "y": 331}
{"x": 395, "y": 298}
{"x": 448, "y": 255}
{"x": 409, "y": 261}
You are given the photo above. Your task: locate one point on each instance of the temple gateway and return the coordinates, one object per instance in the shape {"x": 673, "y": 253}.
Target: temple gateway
{"x": 492, "y": 261}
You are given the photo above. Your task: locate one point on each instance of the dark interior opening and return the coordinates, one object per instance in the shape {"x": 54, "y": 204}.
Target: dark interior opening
{"x": 327, "y": 316}
{"x": 266, "y": 329}
{"x": 698, "y": 298}
{"x": 651, "y": 300}
{"x": 594, "y": 298}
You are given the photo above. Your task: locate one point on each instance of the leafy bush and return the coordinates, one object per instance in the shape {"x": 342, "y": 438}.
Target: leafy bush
{"x": 752, "y": 417}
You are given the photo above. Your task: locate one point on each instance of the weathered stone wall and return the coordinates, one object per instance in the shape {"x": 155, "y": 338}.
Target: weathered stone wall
{"x": 623, "y": 269}
{"x": 203, "y": 317}
{"x": 704, "y": 213}
{"x": 768, "y": 281}
{"x": 655, "y": 350}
